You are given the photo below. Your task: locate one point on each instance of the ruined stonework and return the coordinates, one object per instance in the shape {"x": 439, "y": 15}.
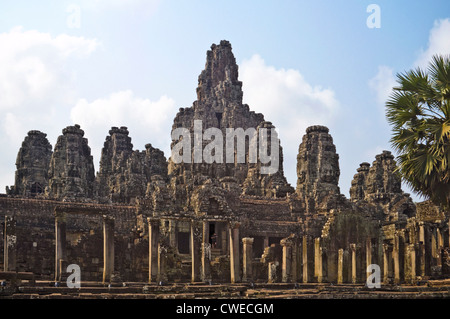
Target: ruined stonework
{"x": 380, "y": 185}
{"x": 377, "y": 182}
{"x": 266, "y": 184}
{"x": 71, "y": 170}
{"x": 219, "y": 105}
{"x": 115, "y": 152}
{"x": 144, "y": 218}
{"x": 124, "y": 173}
{"x": 382, "y": 180}
{"x": 358, "y": 189}
{"x": 32, "y": 165}
{"x": 317, "y": 168}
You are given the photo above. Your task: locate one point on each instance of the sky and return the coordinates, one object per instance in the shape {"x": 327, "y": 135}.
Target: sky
{"x": 134, "y": 63}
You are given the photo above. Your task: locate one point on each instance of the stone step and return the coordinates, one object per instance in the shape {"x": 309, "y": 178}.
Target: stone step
{"x": 435, "y": 289}
{"x": 67, "y": 290}
{"x": 438, "y": 283}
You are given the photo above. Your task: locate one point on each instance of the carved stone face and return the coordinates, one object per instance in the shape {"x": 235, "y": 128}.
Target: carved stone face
{"x": 327, "y": 176}
{"x": 317, "y": 164}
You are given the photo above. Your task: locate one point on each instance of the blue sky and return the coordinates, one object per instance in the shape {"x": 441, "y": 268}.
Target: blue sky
{"x": 134, "y": 63}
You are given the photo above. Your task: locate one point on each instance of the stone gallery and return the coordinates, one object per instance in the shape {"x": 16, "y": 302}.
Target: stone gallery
{"x": 146, "y": 218}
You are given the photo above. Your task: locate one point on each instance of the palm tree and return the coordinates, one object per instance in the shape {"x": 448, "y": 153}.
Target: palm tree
{"x": 419, "y": 112}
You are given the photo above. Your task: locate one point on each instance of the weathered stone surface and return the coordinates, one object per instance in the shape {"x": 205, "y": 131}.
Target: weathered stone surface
{"x": 32, "y": 165}
{"x": 116, "y": 151}
{"x": 157, "y": 196}
{"x": 358, "y": 189}
{"x": 382, "y": 178}
{"x": 267, "y": 185}
{"x": 211, "y": 199}
{"x": 446, "y": 261}
{"x": 125, "y": 173}
{"x": 380, "y": 185}
{"x": 156, "y": 162}
{"x": 219, "y": 105}
{"x": 71, "y": 170}
{"x": 317, "y": 168}
{"x": 377, "y": 182}
{"x": 428, "y": 212}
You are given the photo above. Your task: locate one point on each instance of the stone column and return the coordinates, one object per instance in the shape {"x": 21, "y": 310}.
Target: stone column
{"x": 10, "y": 244}
{"x": 60, "y": 243}
{"x": 225, "y": 247}
{"x": 396, "y": 258}
{"x": 440, "y": 246}
{"x": 368, "y": 255}
{"x": 272, "y": 272}
{"x": 353, "y": 250}
{"x": 413, "y": 248}
{"x": 153, "y": 253}
{"x": 247, "y": 244}
{"x": 434, "y": 250}
{"x": 286, "y": 267}
{"x": 305, "y": 258}
{"x": 421, "y": 232}
{"x": 410, "y": 264}
{"x": 385, "y": 263}
{"x": 294, "y": 263}
{"x": 340, "y": 274}
{"x": 234, "y": 252}
{"x": 440, "y": 233}
{"x": 162, "y": 256}
{"x": 173, "y": 233}
{"x": 108, "y": 248}
{"x": 427, "y": 249}
{"x": 196, "y": 239}
{"x": 433, "y": 243}
{"x": 422, "y": 253}
{"x": 318, "y": 269}
{"x": 206, "y": 253}
{"x": 421, "y": 259}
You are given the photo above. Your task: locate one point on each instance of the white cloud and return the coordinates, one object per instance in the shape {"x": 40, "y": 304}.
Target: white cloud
{"x": 36, "y": 86}
{"x": 277, "y": 92}
{"x": 32, "y": 66}
{"x": 146, "y": 6}
{"x": 148, "y": 121}
{"x": 438, "y": 42}
{"x": 13, "y": 128}
{"x": 288, "y": 101}
{"x": 382, "y": 84}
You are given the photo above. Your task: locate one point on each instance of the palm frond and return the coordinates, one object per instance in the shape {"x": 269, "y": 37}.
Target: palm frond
{"x": 418, "y": 110}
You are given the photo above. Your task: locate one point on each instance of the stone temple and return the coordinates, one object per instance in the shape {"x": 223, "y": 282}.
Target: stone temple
{"x": 146, "y": 218}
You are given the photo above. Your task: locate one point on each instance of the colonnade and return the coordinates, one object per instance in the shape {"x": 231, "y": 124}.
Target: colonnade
{"x": 401, "y": 259}
{"x": 60, "y": 246}
{"x": 200, "y": 251}
{"x": 410, "y": 253}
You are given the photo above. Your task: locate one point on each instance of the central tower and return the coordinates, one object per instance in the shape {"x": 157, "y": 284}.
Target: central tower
{"x": 219, "y": 105}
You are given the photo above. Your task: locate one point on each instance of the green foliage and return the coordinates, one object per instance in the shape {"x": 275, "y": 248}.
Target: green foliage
{"x": 419, "y": 112}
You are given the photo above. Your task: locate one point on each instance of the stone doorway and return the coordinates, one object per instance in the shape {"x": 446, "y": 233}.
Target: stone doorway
{"x": 218, "y": 235}
{"x": 183, "y": 243}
